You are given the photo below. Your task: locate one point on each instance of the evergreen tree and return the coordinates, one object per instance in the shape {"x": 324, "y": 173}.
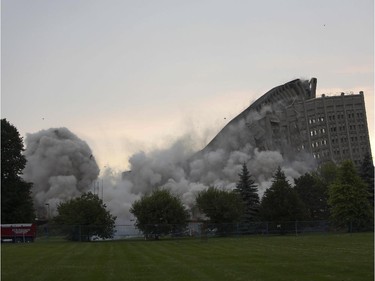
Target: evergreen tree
{"x": 366, "y": 172}
{"x": 314, "y": 194}
{"x": 348, "y": 199}
{"x": 281, "y": 202}
{"x": 16, "y": 202}
{"x": 248, "y": 191}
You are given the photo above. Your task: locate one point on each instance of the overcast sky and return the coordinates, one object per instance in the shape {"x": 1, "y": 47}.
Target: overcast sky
{"x": 135, "y": 75}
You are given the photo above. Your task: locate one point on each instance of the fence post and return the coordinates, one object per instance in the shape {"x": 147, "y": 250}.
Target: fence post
{"x": 296, "y": 227}
{"x": 80, "y": 234}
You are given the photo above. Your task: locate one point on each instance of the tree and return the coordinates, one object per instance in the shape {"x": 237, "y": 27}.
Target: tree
{"x": 366, "y": 171}
{"x": 246, "y": 187}
{"x": 16, "y": 201}
{"x": 280, "y": 203}
{"x": 160, "y": 213}
{"x": 328, "y": 173}
{"x": 84, "y": 217}
{"x": 222, "y": 207}
{"x": 314, "y": 194}
{"x": 348, "y": 199}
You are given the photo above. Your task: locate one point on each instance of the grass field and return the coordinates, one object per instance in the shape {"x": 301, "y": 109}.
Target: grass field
{"x": 313, "y": 257}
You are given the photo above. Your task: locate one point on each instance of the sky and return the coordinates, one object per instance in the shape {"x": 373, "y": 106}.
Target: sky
{"x": 130, "y": 76}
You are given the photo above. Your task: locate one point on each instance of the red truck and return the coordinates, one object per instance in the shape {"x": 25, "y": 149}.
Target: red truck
{"x": 18, "y": 232}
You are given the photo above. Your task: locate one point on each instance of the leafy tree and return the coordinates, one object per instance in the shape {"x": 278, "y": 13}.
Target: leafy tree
{"x": 84, "y": 217}
{"x": 348, "y": 198}
{"x": 328, "y": 173}
{"x": 366, "y": 172}
{"x": 16, "y": 201}
{"x": 314, "y": 194}
{"x": 280, "y": 202}
{"x": 220, "y": 206}
{"x": 248, "y": 191}
{"x": 160, "y": 213}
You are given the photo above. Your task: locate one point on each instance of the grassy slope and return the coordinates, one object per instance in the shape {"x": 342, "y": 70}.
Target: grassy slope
{"x": 321, "y": 257}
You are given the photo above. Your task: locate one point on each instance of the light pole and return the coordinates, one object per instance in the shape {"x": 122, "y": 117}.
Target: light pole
{"x": 103, "y": 184}
{"x": 48, "y": 211}
{"x": 102, "y": 188}
{"x": 46, "y": 226}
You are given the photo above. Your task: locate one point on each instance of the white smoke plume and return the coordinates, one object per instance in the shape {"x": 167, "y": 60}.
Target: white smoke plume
{"x": 185, "y": 174}
{"x": 60, "y": 166}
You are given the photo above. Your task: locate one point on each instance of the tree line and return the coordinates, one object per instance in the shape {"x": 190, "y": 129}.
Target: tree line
{"x": 336, "y": 193}
{"x": 342, "y": 194}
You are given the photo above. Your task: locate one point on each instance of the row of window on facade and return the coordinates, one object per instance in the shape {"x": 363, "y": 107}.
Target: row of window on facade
{"x": 342, "y": 128}
{"x": 355, "y": 150}
{"x": 336, "y": 152}
{"x": 353, "y": 139}
{"x": 322, "y": 154}
{"x": 336, "y": 115}
{"x": 344, "y": 151}
{"x": 335, "y": 140}
{"x": 338, "y": 129}
{"x": 316, "y": 120}
{"x": 349, "y": 115}
{"x": 318, "y": 143}
{"x": 317, "y": 131}
{"x": 358, "y": 138}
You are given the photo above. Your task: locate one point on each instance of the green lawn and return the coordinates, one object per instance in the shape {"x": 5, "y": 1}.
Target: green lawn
{"x": 312, "y": 257}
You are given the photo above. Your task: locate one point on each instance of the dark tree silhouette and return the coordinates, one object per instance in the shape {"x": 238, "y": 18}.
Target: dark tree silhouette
{"x": 84, "y": 217}
{"x": 16, "y": 201}
{"x": 281, "y": 202}
{"x": 160, "y": 213}
{"x": 314, "y": 194}
{"x": 366, "y": 172}
{"x": 348, "y": 199}
{"x": 248, "y": 191}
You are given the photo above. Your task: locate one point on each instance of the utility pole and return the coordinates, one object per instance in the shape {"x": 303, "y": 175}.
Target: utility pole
{"x": 102, "y": 188}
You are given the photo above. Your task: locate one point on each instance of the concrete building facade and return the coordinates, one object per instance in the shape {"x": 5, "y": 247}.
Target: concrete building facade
{"x": 336, "y": 128}
{"x": 290, "y": 118}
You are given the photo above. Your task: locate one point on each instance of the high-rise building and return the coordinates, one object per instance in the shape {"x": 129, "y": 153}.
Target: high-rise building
{"x": 336, "y": 128}
{"x": 290, "y": 118}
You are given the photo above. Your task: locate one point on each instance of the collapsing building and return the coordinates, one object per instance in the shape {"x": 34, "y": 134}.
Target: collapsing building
{"x": 290, "y": 118}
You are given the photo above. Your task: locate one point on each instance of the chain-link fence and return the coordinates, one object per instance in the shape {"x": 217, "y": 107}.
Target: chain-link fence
{"x": 202, "y": 230}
